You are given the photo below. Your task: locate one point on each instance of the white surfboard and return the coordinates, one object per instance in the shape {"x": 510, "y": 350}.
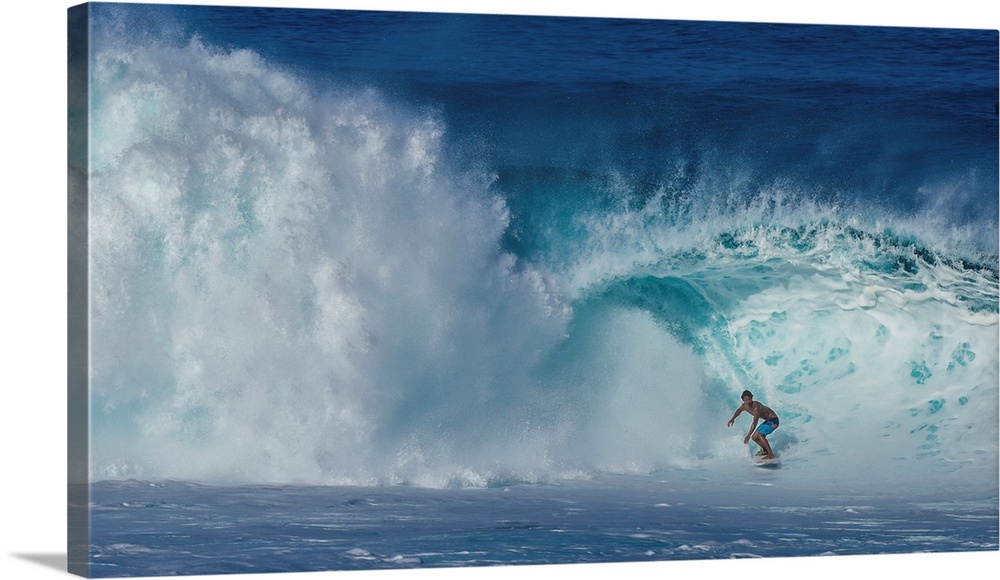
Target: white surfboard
{"x": 759, "y": 461}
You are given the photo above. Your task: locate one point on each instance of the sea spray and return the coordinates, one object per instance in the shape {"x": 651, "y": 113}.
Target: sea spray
{"x": 288, "y": 287}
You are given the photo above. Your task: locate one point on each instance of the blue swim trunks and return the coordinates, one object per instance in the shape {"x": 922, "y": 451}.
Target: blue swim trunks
{"x": 768, "y": 427}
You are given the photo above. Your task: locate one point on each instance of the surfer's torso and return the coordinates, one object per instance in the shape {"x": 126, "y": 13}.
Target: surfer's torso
{"x": 758, "y": 409}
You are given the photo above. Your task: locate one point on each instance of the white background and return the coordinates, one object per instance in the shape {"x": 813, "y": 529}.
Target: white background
{"x": 33, "y": 283}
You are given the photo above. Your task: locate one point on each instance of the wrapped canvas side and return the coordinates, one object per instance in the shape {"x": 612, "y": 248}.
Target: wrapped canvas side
{"x": 78, "y": 519}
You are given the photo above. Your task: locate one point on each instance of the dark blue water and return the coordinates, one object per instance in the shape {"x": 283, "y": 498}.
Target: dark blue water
{"x": 859, "y": 113}
{"x": 375, "y": 289}
{"x": 175, "y": 528}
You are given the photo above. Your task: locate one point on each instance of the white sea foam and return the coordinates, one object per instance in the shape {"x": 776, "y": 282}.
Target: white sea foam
{"x": 287, "y": 287}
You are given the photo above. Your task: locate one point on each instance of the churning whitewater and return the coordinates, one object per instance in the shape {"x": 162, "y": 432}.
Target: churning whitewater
{"x": 296, "y": 281}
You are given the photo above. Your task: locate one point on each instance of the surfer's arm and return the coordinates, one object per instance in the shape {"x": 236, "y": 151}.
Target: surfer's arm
{"x": 735, "y": 415}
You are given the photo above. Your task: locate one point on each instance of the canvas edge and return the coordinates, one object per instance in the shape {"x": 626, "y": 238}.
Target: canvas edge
{"x": 78, "y": 319}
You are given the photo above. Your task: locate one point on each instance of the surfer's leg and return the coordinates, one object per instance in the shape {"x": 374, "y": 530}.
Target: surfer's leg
{"x": 759, "y": 439}
{"x": 767, "y": 447}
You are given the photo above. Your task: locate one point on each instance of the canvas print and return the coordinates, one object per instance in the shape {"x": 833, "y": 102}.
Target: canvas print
{"x": 361, "y": 289}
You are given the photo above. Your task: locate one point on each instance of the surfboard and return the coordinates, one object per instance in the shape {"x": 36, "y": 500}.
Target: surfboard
{"x": 759, "y": 461}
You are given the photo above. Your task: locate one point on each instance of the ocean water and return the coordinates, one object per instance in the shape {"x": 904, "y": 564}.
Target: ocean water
{"x": 170, "y": 528}
{"x": 375, "y": 289}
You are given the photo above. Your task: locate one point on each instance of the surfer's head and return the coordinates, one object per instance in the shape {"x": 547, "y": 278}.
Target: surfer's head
{"x": 747, "y": 396}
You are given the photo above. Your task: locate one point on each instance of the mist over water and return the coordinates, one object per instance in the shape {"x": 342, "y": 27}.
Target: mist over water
{"x": 304, "y": 283}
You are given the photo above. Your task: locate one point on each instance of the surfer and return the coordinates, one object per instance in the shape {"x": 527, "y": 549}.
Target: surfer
{"x": 759, "y": 434}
